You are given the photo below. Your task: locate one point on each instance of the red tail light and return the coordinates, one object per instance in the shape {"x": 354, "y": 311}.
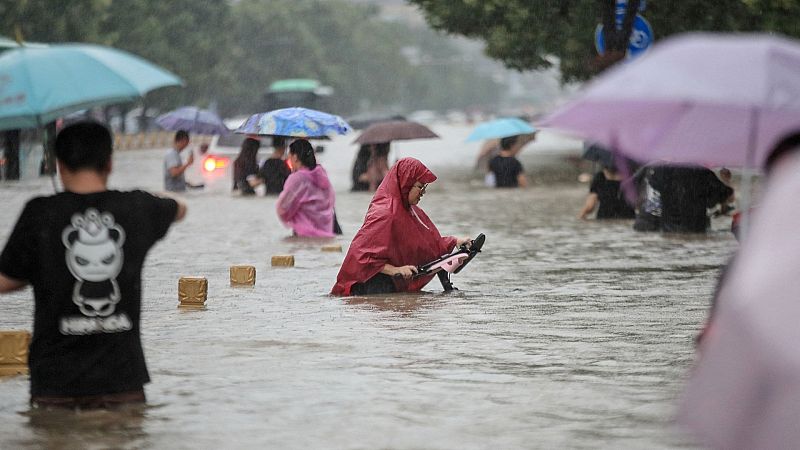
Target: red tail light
{"x": 212, "y": 163}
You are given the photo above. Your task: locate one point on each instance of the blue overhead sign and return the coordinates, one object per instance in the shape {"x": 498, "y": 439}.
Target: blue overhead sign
{"x": 619, "y": 10}
{"x": 641, "y": 35}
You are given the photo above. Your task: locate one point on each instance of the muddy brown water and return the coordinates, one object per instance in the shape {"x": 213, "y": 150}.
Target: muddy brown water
{"x": 564, "y": 334}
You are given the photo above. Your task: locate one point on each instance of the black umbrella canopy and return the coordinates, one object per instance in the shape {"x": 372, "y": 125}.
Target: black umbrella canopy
{"x": 395, "y": 130}
{"x": 599, "y": 154}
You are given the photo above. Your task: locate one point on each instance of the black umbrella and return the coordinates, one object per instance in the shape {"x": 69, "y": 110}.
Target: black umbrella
{"x": 599, "y": 154}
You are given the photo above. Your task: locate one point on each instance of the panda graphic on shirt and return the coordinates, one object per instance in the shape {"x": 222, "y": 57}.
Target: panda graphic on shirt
{"x": 94, "y": 256}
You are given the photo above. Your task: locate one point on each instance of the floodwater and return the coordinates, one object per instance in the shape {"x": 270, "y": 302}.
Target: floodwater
{"x": 564, "y": 334}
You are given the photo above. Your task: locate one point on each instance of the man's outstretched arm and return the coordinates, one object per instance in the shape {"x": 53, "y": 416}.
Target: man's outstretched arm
{"x": 10, "y": 284}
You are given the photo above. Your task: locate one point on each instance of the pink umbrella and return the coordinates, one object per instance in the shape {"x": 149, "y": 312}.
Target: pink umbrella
{"x": 745, "y": 391}
{"x": 703, "y": 98}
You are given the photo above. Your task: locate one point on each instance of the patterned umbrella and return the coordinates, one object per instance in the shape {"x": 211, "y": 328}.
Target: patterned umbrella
{"x": 193, "y": 120}
{"x": 294, "y": 122}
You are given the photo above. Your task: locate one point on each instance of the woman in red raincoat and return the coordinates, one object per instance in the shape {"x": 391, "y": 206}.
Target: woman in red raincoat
{"x": 396, "y": 237}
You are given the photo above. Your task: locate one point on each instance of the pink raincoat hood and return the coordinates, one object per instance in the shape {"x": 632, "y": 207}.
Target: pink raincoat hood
{"x": 317, "y": 176}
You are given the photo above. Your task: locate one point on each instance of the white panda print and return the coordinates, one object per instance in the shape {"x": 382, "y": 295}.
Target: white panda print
{"x": 94, "y": 257}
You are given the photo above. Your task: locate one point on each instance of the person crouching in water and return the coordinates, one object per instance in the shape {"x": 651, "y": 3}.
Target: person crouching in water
{"x": 306, "y": 202}
{"x": 396, "y": 237}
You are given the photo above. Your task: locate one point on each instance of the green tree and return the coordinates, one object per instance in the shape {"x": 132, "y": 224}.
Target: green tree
{"x": 48, "y": 21}
{"x": 189, "y": 38}
{"x": 349, "y": 48}
{"x": 528, "y": 35}
{"x": 228, "y": 52}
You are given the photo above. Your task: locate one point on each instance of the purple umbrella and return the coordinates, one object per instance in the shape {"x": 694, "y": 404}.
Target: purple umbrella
{"x": 703, "y": 98}
{"x": 193, "y": 120}
{"x": 745, "y": 391}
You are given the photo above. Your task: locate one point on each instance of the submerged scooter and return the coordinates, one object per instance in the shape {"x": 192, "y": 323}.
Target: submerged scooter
{"x": 452, "y": 263}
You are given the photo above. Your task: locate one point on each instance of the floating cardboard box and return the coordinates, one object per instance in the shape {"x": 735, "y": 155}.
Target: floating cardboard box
{"x": 283, "y": 261}
{"x": 243, "y": 275}
{"x": 192, "y": 292}
{"x": 332, "y": 248}
{"x": 14, "y": 352}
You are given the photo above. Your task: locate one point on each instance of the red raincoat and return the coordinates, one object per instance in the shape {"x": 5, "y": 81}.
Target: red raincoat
{"x": 394, "y": 232}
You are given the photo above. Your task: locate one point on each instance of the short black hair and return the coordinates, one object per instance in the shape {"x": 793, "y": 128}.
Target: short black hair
{"x": 181, "y": 135}
{"x": 787, "y": 144}
{"x": 382, "y": 149}
{"x": 507, "y": 142}
{"x": 84, "y": 145}
{"x": 278, "y": 141}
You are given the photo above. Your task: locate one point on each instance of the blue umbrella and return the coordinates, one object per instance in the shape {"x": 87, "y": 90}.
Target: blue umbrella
{"x": 41, "y": 84}
{"x": 500, "y": 128}
{"x": 193, "y": 120}
{"x": 294, "y": 122}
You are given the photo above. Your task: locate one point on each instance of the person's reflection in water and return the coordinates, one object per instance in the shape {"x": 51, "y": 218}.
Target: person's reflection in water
{"x": 396, "y": 237}
{"x": 121, "y": 426}
{"x": 405, "y": 304}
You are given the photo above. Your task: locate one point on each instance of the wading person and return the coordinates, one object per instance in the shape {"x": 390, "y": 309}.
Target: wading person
{"x": 396, "y": 237}
{"x": 371, "y": 166}
{"x": 174, "y": 167}
{"x": 246, "y": 166}
{"x": 307, "y": 201}
{"x": 506, "y": 168}
{"x": 605, "y": 195}
{"x": 274, "y": 171}
{"x": 686, "y": 192}
{"x": 82, "y": 250}
{"x": 359, "y": 175}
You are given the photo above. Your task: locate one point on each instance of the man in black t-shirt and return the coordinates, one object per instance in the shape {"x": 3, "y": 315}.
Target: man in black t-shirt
{"x": 82, "y": 250}
{"x": 274, "y": 171}
{"x": 506, "y": 168}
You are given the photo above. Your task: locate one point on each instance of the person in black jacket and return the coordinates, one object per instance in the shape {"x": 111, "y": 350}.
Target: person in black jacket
{"x": 686, "y": 193}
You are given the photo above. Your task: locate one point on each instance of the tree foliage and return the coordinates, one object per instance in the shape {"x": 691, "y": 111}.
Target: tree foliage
{"x": 229, "y": 52}
{"x": 533, "y": 35}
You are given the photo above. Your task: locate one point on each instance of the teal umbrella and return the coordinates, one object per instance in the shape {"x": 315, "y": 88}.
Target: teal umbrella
{"x": 500, "y": 128}
{"x": 39, "y": 85}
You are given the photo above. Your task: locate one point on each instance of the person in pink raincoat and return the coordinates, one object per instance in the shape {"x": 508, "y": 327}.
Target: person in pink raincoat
{"x": 306, "y": 202}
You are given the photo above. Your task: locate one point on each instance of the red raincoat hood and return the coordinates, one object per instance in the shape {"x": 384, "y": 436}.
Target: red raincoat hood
{"x": 394, "y": 232}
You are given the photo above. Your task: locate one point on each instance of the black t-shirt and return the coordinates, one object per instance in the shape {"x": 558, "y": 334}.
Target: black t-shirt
{"x": 274, "y": 171}
{"x": 506, "y": 169}
{"x": 612, "y": 202}
{"x": 83, "y": 255}
{"x": 686, "y": 193}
